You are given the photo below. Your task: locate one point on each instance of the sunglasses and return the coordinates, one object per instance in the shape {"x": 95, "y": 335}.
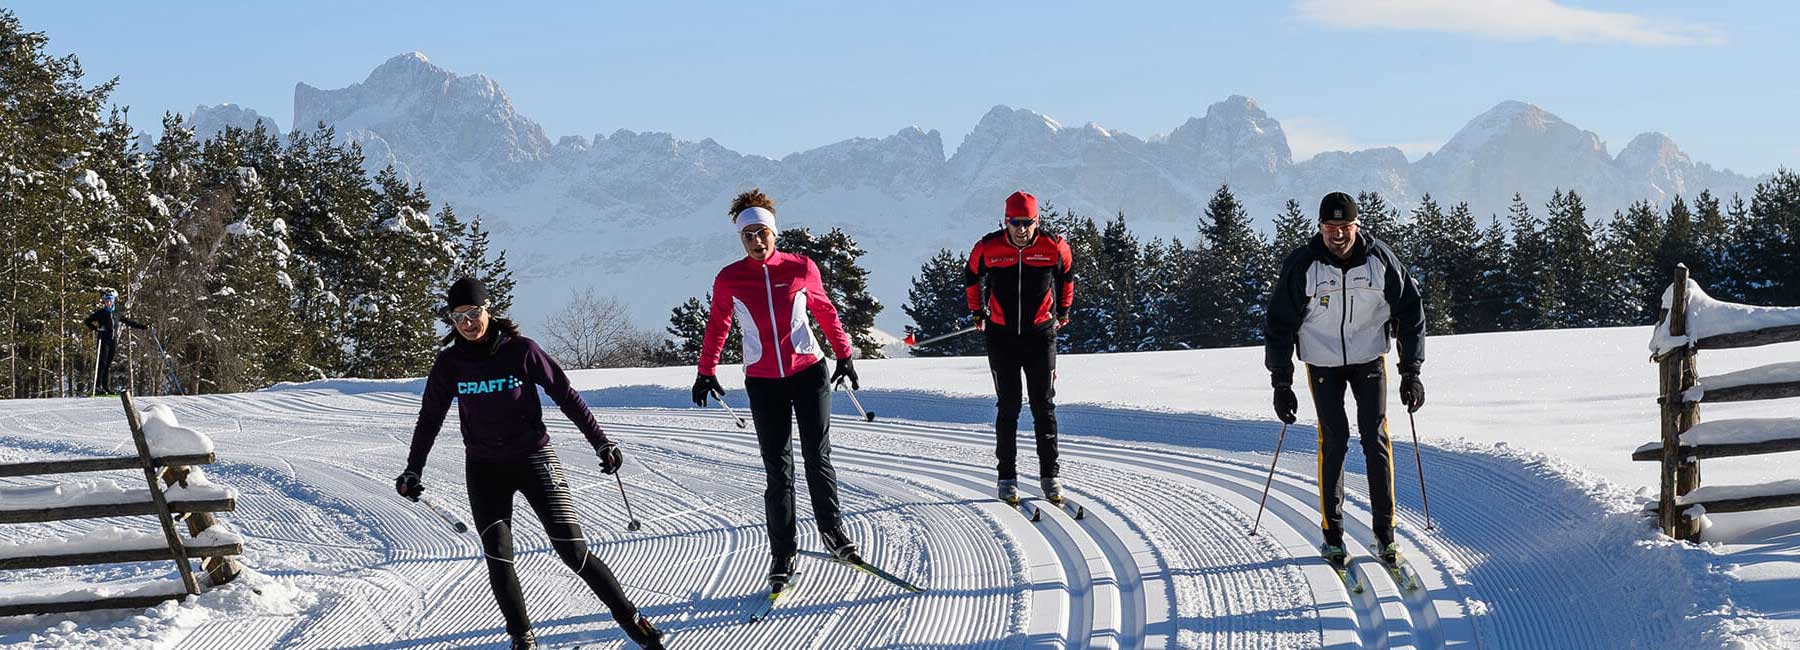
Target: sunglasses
{"x": 1338, "y": 227}
{"x": 754, "y": 234}
{"x": 460, "y": 317}
{"x": 1020, "y": 223}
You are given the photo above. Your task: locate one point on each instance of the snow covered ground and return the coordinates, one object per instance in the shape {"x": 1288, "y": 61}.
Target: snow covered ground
{"x": 1537, "y": 541}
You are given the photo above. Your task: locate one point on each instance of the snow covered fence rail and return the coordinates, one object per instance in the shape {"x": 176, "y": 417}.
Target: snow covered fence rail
{"x": 167, "y": 455}
{"x": 1693, "y": 321}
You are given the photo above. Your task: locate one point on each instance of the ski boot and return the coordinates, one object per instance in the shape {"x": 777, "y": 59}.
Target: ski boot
{"x": 1008, "y": 490}
{"x": 525, "y": 641}
{"x": 839, "y": 545}
{"x": 781, "y": 570}
{"x": 1390, "y": 554}
{"x": 1334, "y": 554}
{"x": 1052, "y": 490}
{"x": 645, "y": 634}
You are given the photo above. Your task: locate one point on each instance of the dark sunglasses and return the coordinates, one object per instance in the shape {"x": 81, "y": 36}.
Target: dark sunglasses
{"x": 460, "y": 317}
{"x": 1021, "y": 223}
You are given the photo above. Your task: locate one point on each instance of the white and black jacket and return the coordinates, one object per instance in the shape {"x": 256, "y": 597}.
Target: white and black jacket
{"x": 1342, "y": 312}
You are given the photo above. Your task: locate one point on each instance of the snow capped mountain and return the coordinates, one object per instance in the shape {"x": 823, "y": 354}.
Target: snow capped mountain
{"x": 208, "y": 121}
{"x": 651, "y": 207}
{"x": 429, "y": 122}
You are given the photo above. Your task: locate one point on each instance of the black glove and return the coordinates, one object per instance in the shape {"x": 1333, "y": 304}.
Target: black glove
{"x": 1412, "y": 392}
{"x": 408, "y": 485}
{"x": 611, "y": 459}
{"x": 846, "y": 371}
{"x": 1286, "y": 404}
{"x": 705, "y": 385}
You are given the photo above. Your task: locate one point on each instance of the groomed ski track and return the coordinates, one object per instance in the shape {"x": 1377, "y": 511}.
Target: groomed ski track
{"x": 1162, "y": 559}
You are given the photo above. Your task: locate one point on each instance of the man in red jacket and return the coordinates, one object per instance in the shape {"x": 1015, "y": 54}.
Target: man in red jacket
{"x": 1020, "y": 288}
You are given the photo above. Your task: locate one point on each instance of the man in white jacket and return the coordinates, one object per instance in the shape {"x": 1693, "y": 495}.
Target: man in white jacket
{"x": 1340, "y": 300}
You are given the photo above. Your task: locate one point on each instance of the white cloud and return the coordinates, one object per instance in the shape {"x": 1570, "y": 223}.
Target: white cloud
{"x": 1308, "y": 137}
{"x": 1510, "y": 20}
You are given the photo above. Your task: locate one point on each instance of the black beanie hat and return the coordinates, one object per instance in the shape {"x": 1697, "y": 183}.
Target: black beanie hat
{"x": 1337, "y": 206}
{"x": 467, "y": 291}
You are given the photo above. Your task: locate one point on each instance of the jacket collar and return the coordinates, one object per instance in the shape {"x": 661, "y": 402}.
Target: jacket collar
{"x": 1359, "y": 251}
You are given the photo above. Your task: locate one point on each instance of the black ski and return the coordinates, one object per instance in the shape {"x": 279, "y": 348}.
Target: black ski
{"x": 1402, "y": 573}
{"x": 1352, "y": 582}
{"x": 870, "y": 569}
{"x": 774, "y": 599}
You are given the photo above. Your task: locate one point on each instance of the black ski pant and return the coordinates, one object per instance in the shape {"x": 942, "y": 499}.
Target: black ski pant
{"x": 776, "y": 406}
{"x": 1367, "y": 382}
{"x": 103, "y": 369}
{"x": 1034, "y": 354}
{"x": 546, "y": 488}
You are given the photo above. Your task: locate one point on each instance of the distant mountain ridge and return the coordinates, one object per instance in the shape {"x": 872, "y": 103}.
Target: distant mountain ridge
{"x": 651, "y": 207}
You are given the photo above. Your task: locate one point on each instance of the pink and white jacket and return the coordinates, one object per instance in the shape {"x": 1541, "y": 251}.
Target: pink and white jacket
{"x": 770, "y": 300}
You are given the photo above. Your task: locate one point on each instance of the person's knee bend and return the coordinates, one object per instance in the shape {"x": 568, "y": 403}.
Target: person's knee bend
{"x": 496, "y": 541}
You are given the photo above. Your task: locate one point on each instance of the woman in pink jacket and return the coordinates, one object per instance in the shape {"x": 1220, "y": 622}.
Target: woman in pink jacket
{"x": 769, "y": 293}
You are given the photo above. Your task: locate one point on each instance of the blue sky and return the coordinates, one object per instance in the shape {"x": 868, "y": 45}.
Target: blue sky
{"x": 778, "y": 77}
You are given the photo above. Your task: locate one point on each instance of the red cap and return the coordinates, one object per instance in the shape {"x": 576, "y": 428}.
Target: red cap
{"x": 1021, "y": 204}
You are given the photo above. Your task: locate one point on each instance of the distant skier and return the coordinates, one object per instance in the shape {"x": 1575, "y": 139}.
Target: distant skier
{"x": 493, "y": 373}
{"x": 769, "y": 294}
{"x": 103, "y": 321}
{"x": 1020, "y": 287}
{"x": 1339, "y": 300}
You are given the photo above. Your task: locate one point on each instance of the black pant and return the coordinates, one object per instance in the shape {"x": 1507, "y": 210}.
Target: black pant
{"x": 541, "y": 478}
{"x": 103, "y": 369}
{"x": 1034, "y": 353}
{"x": 1368, "y": 383}
{"x": 775, "y": 405}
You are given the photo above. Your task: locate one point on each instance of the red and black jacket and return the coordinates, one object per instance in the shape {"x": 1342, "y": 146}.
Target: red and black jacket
{"x": 1027, "y": 289}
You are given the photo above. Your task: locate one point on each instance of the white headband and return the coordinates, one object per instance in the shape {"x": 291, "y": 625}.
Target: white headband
{"x": 753, "y": 216}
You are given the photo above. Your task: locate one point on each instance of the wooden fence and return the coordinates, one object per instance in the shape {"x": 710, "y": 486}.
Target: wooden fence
{"x": 1685, "y": 441}
{"x": 159, "y": 472}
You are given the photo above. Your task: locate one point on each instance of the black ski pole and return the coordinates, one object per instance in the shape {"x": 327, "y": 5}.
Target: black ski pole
{"x": 634, "y": 525}
{"x": 867, "y": 415}
{"x": 1271, "y": 481}
{"x": 721, "y": 398}
{"x": 1420, "y": 462}
{"x": 443, "y": 514}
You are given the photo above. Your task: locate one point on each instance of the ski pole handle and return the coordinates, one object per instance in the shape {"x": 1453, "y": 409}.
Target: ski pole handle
{"x": 869, "y": 416}
{"x": 721, "y": 399}
{"x": 941, "y": 337}
{"x": 448, "y": 517}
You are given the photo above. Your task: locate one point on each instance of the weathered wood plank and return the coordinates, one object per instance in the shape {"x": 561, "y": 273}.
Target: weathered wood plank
{"x": 123, "y": 602}
{"x": 1750, "y": 339}
{"x": 163, "y": 513}
{"x": 112, "y": 510}
{"x": 47, "y": 467}
{"x": 1751, "y": 392}
{"x": 1653, "y": 452}
{"x": 108, "y": 557}
{"x": 1746, "y": 504}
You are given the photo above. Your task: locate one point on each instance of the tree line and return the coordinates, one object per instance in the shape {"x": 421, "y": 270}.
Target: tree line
{"x": 254, "y": 260}
{"x": 1522, "y": 271}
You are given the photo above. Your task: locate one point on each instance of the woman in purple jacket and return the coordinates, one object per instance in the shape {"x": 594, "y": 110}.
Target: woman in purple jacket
{"x": 492, "y": 372}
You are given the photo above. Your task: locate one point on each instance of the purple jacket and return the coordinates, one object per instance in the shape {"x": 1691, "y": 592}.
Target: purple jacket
{"x": 494, "y": 386}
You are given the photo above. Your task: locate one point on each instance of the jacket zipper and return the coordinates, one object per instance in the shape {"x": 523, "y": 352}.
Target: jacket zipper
{"x": 1344, "y": 320}
{"x": 1019, "y": 294}
{"x": 774, "y": 325}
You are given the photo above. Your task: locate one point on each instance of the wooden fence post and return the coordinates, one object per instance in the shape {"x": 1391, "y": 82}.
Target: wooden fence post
{"x": 1669, "y": 380}
{"x": 156, "y": 494}
{"x": 222, "y": 569}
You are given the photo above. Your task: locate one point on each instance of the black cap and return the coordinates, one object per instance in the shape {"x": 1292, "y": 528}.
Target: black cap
{"x": 1337, "y": 206}
{"x": 467, "y": 291}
